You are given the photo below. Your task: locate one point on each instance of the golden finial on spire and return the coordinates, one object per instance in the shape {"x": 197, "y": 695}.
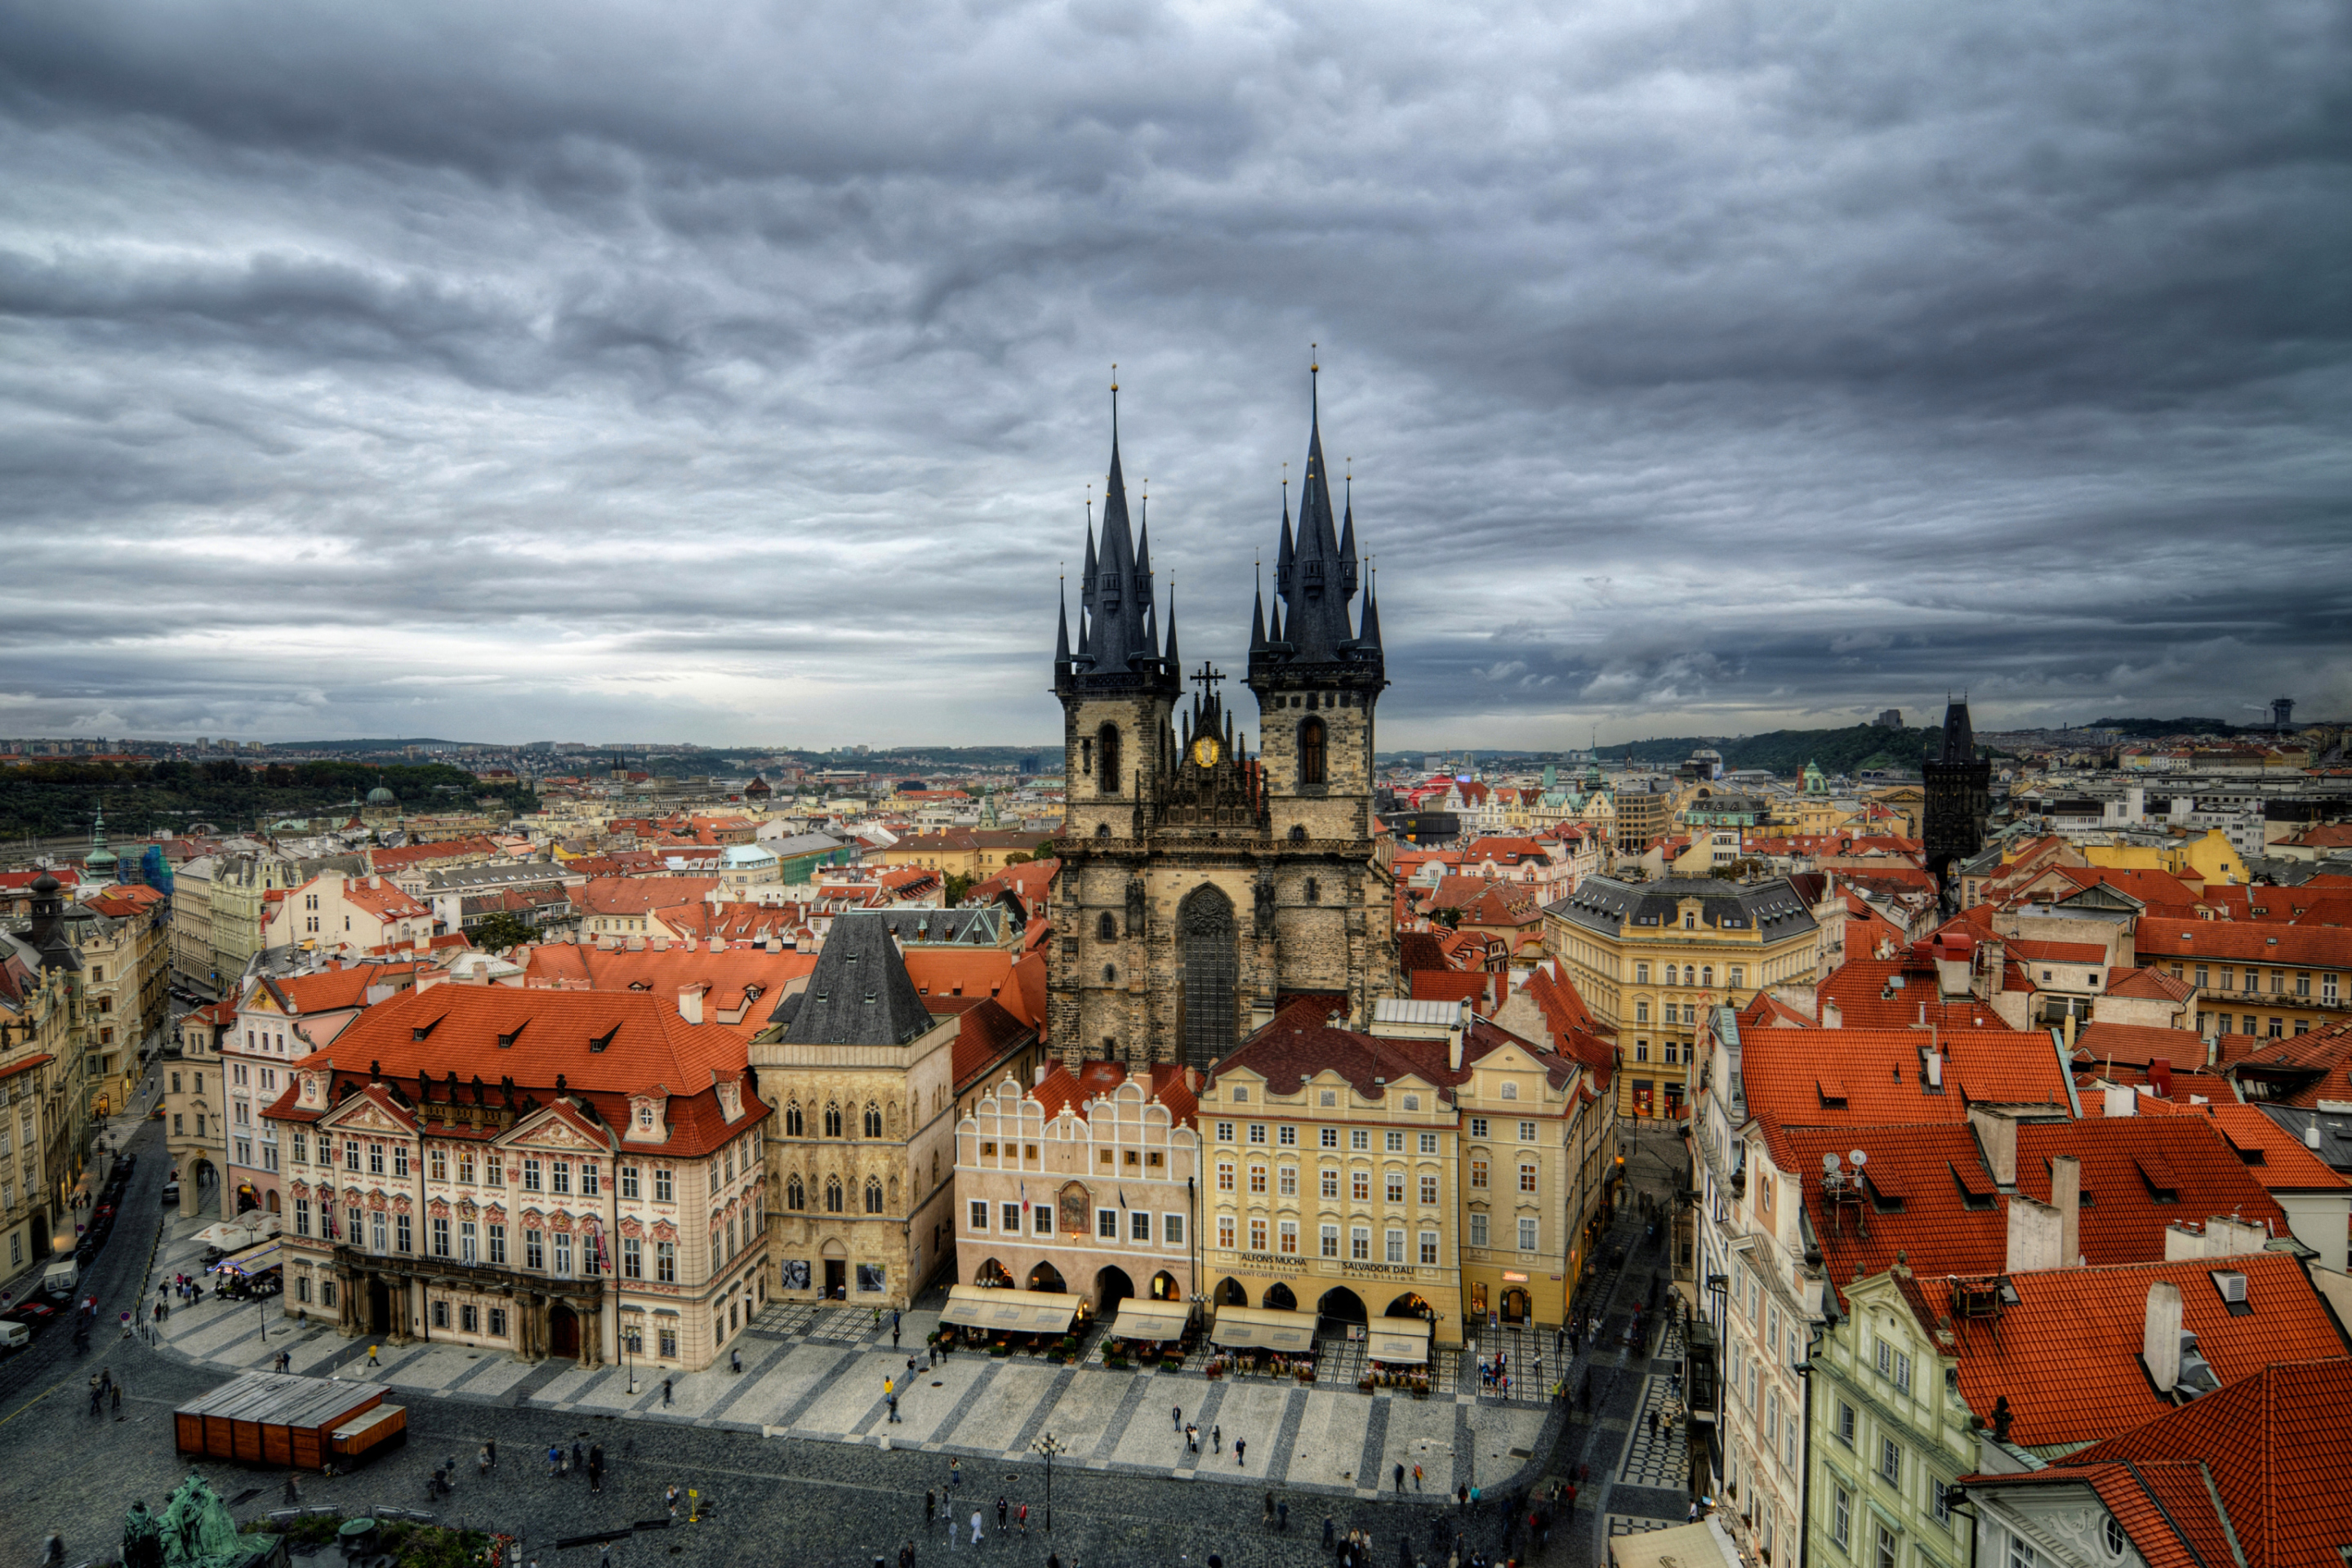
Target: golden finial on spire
{"x": 1114, "y": 375}
{"x": 1314, "y": 357}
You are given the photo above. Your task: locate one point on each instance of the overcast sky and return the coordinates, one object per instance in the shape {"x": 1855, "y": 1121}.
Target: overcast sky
{"x": 736, "y": 373}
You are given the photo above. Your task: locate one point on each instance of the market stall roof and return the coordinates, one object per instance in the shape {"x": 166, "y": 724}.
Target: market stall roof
{"x": 1141, "y": 1320}
{"x": 1009, "y": 1311}
{"x": 252, "y": 1261}
{"x": 228, "y": 1234}
{"x": 1682, "y": 1546}
{"x": 1398, "y": 1341}
{"x": 284, "y": 1399}
{"x": 1262, "y": 1327}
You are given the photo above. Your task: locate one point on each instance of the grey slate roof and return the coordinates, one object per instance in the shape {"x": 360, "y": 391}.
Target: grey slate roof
{"x": 1603, "y": 904}
{"x": 860, "y": 993}
{"x": 974, "y": 925}
{"x": 2335, "y": 1147}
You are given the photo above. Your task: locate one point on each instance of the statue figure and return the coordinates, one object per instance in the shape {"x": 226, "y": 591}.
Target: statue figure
{"x": 196, "y": 1529}
{"x": 142, "y": 1540}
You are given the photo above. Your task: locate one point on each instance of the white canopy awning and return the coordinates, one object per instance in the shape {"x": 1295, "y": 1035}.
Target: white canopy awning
{"x": 228, "y": 1234}
{"x": 1702, "y": 1545}
{"x": 1141, "y": 1320}
{"x": 1009, "y": 1311}
{"x": 1398, "y": 1341}
{"x": 1261, "y": 1328}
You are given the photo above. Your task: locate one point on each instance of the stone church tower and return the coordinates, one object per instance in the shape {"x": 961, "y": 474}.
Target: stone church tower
{"x": 1959, "y": 796}
{"x": 1203, "y": 887}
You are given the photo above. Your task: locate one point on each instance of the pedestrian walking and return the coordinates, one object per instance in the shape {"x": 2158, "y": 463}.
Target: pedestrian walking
{"x": 1265, "y": 1514}
{"x": 735, "y": 1361}
{"x": 955, "y": 1471}
{"x": 562, "y": 1463}
{"x": 371, "y": 1361}
{"x": 931, "y": 1505}
{"x": 116, "y": 1392}
{"x": 1001, "y": 1510}
{"x": 482, "y": 1461}
{"x": 579, "y": 1455}
{"x": 1327, "y": 1532}
{"x": 596, "y": 1467}
{"x": 490, "y": 1447}
{"x": 54, "y": 1550}
{"x": 293, "y": 1494}
{"x": 665, "y": 1391}
{"x": 1241, "y": 1447}
{"x": 1193, "y": 1439}
{"x": 1461, "y": 1496}
{"x": 1282, "y": 1515}
{"x": 1176, "y": 1417}
{"x": 603, "y": 1554}
{"x": 1654, "y": 1423}
{"x": 670, "y": 1497}
{"x": 1217, "y": 1438}
{"x": 894, "y": 1330}
{"x": 1022, "y": 1514}
{"x": 1399, "y": 1479}
{"x": 975, "y": 1527}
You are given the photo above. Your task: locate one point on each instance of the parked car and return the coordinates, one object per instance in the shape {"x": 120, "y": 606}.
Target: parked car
{"x": 34, "y": 1315}
{"x": 171, "y": 1193}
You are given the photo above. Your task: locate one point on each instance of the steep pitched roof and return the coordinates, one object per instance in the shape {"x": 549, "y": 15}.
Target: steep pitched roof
{"x": 2140, "y": 1175}
{"x": 1874, "y": 1078}
{"x": 2139, "y": 1044}
{"x": 2091, "y": 1323}
{"x": 1293, "y": 1049}
{"x": 2276, "y": 1446}
{"x": 859, "y": 994}
{"x": 1889, "y": 992}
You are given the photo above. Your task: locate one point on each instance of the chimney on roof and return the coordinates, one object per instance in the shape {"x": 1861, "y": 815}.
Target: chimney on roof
{"x": 2070, "y": 1031}
{"x": 2159, "y": 1342}
{"x": 2311, "y": 1133}
{"x": 2036, "y": 1232}
{"x": 1833, "y": 1015}
{"x": 2119, "y": 1099}
{"x": 2066, "y": 1197}
{"x": 2159, "y": 1075}
{"x": 689, "y": 1003}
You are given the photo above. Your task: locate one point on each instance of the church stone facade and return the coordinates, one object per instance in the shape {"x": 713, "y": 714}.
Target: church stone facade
{"x": 1203, "y": 886}
{"x": 1959, "y": 796}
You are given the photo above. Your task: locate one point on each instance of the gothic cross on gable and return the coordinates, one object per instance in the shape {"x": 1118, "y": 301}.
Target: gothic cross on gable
{"x": 1206, "y": 678}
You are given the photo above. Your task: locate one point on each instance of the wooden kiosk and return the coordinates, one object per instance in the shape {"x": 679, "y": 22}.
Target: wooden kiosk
{"x": 283, "y": 1419}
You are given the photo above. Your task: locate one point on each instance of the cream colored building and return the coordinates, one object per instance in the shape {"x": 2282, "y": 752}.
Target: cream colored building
{"x": 861, "y": 1173}
{"x": 603, "y": 1198}
{"x": 1334, "y": 1169}
{"x": 194, "y": 1105}
{"x": 44, "y": 1111}
{"x": 1086, "y": 1184}
{"x": 1649, "y": 958}
{"x": 192, "y": 924}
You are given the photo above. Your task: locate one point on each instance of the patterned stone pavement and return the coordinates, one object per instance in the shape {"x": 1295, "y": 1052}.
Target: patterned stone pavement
{"x": 1659, "y": 1456}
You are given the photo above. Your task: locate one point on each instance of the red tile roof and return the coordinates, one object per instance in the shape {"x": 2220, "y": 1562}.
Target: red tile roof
{"x": 1928, "y": 1196}
{"x": 2090, "y": 952}
{"x": 1294, "y": 1048}
{"x": 985, "y": 1035}
{"x": 2276, "y": 1446}
{"x": 2138, "y": 1045}
{"x": 1871, "y": 1077}
{"x": 1888, "y": 994}
{"x": 1167, "y": 1083}
{"x": 2149, "y": 984}
{"x": 2140, "y": 1175}
{"x": 736, "y": 979}
{"x": 638, "y": 895}
{"x": 2271, "y": 1156}
{"x": 1483, "y": 989}
{"x": 2067, "y": 1355}
{"x": 2259, "y": 941}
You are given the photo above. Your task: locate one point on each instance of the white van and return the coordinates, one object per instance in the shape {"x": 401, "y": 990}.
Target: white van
{"x": 61, "y": 1277}
{"x": 14, "y": 1336}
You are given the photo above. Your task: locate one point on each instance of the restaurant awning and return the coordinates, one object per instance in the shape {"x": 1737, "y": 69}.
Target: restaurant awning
{"x": 1008, "y": 1311}
{"x": 252, "y": 1261}
{"x": 1260, "y": 1328}
{"x": 1400, "y": 1342}
{"x": 1141, "y": 1320}
{"x": 1700, "y": 1545}
{"x": 228, "y": 1234}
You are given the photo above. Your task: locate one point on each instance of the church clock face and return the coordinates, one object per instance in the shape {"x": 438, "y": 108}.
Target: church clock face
{"x": 1205, "y": 751}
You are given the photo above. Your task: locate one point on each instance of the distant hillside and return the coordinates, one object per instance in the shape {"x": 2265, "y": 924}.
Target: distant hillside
{"x": 1787, "y": 752}
{"x": 2177, "y": 726}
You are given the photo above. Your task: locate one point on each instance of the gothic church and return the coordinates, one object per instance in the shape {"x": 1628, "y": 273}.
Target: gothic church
{"x": 1202, "y": 887}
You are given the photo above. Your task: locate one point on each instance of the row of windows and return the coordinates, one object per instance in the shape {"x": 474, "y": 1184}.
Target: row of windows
{"x": 1359, "y": 1138}
{"x": 1359, "y": 1182}
{"x": 796, "y": 1195}
{"x": 832, "y": 1121}
{"x": 1133, "y": 1160}
{"x": 1701, "y": 975}
{"x": 1107, "y": 1223}
{"x": 2328, "y": 983}
{"x": 1284, "y": 1235}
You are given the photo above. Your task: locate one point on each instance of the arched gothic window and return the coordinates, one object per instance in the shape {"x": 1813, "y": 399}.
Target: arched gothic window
{"x": 1106, "y": 772}
{"x": 1106, "y": 928}
{"x": 833, "y": 1121}
{"x": 833, "y": 1195}
{"x": 873, "y": 1195}
{"x": 873, "y": 1119}
{"x": 1312, "y": 760}
{"x": 793, "y": 1125}
{"x": 795, "y": 1196}
{"x": 1110, "y": 974}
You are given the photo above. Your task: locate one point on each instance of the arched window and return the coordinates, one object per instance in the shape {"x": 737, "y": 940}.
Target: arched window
{"x": 833, "y": 1121}
{"x": 1707, "y": 976}
{"x": 1106, "y": 775}
{"x": 1298, "y": 834}
{"x": 873, "y": 1119}
{"x": 1312, "y": 762}
{"x": 833, "y": 1195}
{"x": 1102, "y": 830}
{"x": 1314, "y": 890}
{"x": 873, "y": 1195}
{"x": 1106, "y": 928}
{"x": 1110, "y": 974}
{"x": 795, "y": 1196}
{"x": 793, "y": 1126}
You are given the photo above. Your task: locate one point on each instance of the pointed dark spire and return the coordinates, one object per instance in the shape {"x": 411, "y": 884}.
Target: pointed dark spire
{"x": 1257, "y": 614}
{"x": 1061, "y": 626}
{"x": 1348, "y": 540}
{"x": 1368, "y": 633}
{"x": 1174, "y": 662}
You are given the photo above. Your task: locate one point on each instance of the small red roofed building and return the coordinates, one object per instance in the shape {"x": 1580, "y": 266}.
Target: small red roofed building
{"x": 551, "y": 1174}
{"x": 337, "y": 912}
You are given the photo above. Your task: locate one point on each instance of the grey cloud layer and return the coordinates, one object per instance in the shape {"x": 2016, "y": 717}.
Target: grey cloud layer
{"x": 735, "y": 372}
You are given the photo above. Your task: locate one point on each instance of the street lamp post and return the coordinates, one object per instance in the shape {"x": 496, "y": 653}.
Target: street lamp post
{"x": 1049, "y": 1446}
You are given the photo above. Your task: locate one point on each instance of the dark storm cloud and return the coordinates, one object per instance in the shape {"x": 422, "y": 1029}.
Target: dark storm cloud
{"x": 737, "y": 371}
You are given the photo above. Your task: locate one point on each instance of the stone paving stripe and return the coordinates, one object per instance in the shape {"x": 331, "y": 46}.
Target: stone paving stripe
{"x": 1286, "y": 1438}
{"x": 749, "y": 1380}
{"x": 1108, "y": 1442}
{"x": 1376, "y": 1439}
{"x": 1045, "y": 1407}
{"x": 817, "y": 1390}
{"x": 1206, "y": 1417}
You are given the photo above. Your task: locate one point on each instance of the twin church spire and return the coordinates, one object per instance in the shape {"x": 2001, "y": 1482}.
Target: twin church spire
{"x": 1316, "y": 575}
